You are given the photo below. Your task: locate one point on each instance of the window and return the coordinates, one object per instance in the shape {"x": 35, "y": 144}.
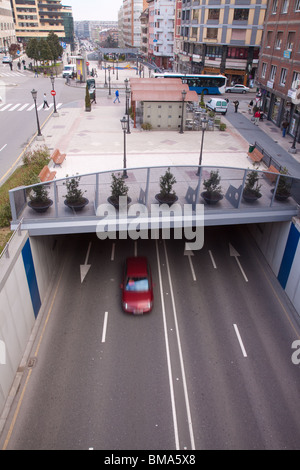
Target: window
{"x": 274, "y": 6}
{"x": 269, "y": 38}
{"x": 296, "y": 80}
{"x": 283, "y": 77}
{"x": 263, "y": 70}
{"x": 240, "y": 14}
{"x": 213, "y": 14}
{"x": 212, "y": 33}
{"x": 194, "y": 33}
{"x": 278, "y": 40}
{"x": 297, "y": 5}
{"x": 238, "y": 35}
{"x": 195, "y": 15}
{"x": 285, "y": 6}
{"x": 273, "y": 73}
{"x": 290, "y": 40}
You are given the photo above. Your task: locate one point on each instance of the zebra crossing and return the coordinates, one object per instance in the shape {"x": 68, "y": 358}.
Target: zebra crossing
{"x": 19, "y": 107}
{"x": 12, "y": 74}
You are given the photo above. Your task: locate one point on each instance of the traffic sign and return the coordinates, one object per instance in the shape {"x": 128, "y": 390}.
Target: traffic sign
{"x": 87, "y": 63}
{"x": 53, "y": 92}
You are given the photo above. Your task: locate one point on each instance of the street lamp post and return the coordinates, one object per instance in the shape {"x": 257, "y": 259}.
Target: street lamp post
{"x": 55, "y": 113}
{"x": 204, "y": 123}
{"x": 126, "y": 85}
{"x": 128, "y": 91}
{"x": 105, "y": 82}
{"x": 124, "y": 128}
{"x": 34, "y": 96}
{"x": 109, "y": 88}
{"x": 182, "y": 111}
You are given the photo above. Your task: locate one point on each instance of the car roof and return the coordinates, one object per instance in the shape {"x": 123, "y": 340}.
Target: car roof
{"x": 137, "y": 266}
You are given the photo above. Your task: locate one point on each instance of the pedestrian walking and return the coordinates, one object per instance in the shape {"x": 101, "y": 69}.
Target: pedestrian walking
{"x": 256, "y": 117}
{"x": 11, "y": 65}
{"x": 236, "y": 105}
{"x": 284, "y": 126}
{"x": 117, "y": 96}
{"x": 36, "y": 75}
{"x": 45, "y": 101}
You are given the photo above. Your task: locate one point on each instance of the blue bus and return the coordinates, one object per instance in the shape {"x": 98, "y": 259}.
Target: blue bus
{"x": 208, "y": 84}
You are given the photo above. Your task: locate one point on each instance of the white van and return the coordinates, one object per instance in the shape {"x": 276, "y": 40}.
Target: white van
{"x": 218, "y": 105}
{"x": 69, "y": 70}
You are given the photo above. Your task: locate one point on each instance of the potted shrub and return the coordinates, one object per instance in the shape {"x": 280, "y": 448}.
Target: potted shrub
{"x": 251, "y": 190}
{"x": 283, "y": 190}
{"x": 74, "y": 198}
{"x": 213, "y": 190}
{"x": 118, "y": 188}
{"x": 166, "y": 194}
{"x": 39, "y": 199}
{"x": 88, "y": 105}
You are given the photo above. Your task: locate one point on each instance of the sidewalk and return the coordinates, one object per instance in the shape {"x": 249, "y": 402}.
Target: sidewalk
{"x": 94, "y": 141}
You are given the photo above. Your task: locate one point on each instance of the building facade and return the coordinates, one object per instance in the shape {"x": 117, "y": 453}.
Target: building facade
{"x": 7, "y": 27}
{"x": 132, "y": 10}
{"x": 279, "y": 67}
{"x": 161, "y": 32}
{"x": 222, "y": 37}
{"x": 37, "y": 18}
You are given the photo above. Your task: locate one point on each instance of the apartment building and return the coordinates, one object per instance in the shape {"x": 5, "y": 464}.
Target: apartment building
{"x": 222, "y": 36}
{"x": 279, "y": 67}
{"x": 161, "y": 32}
{"x": 132, "y": 10}
{"x": 37, "y": 18}
{"x": 7, "y": 27}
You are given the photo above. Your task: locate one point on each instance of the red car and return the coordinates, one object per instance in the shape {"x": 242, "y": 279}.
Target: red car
{"x": 137, "y": 288}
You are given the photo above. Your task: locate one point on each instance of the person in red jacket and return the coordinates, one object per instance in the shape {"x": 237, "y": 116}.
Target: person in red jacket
{"x": 256, "y": 117}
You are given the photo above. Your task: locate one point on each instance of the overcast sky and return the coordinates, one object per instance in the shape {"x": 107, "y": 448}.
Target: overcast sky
{"x": 96, "y": 10}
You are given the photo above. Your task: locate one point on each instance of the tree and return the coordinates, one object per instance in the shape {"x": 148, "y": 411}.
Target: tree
{"x": 55, "y": 46}
{"x": 32, "y": 49}
{"x": 13, "y": 49}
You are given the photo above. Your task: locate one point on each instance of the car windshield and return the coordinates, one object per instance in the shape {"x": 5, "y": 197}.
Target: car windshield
{"x": 137, "y": 284}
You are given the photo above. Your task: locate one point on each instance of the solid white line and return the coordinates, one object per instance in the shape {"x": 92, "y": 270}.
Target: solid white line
{"x": 240, "y": 340}
{"x": 104, "y": 327}
{"x": 3, "y": 147}
{"x": 212, "y": 259}
{"x": 192, "y": 268}
{"x": 187, "y": 404}
{"x": 175, "y": 425}
{"x": 240, "y": 266}
{"x": 112, "y": 257}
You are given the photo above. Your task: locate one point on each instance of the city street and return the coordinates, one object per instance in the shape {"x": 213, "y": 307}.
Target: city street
{"x": 209, "y": 368}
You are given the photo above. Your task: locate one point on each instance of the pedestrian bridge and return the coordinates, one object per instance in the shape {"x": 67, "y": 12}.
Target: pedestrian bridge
{"x": 144, "y": 213}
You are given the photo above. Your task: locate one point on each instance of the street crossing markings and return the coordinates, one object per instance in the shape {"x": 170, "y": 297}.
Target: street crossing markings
{"x": 26, "y": 107}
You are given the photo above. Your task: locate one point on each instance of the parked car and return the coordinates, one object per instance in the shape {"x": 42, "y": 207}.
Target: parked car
{"x": 137, "y": 288}
{"x": 217, "y": 105}
{"x": 237, "y": 88}
{"x": 6, "y": 59}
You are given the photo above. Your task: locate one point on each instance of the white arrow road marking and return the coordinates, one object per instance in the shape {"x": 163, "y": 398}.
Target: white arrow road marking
{"x": 233, "y": 252}
{"x": 189, "y": 254}
{"x": 84, "y": 268}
